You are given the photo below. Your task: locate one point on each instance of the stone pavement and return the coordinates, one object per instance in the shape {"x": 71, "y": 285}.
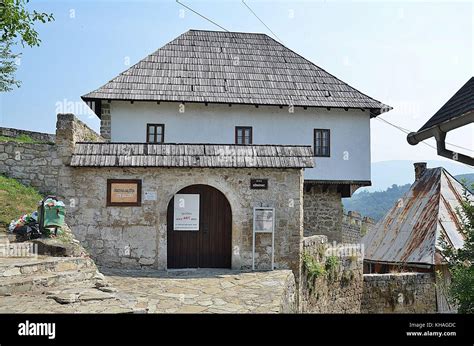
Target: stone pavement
{"x": 146, "y": 291}
{"x": 205, "y": 290}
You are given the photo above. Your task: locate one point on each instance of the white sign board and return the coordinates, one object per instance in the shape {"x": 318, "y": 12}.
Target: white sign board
{"x": 186, "y": 212}
{"x": 263, "y": 220}
{"x": 150, "y": 196}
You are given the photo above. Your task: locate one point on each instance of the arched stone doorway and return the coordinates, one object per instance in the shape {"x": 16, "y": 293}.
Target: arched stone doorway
{"x": 211, "y": 245}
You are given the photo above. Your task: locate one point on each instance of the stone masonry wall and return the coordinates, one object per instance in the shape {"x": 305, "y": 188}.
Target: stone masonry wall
{"x": 354, "y": 227}
{"x": 323, "y": 212}
{"x": 399, "y": 293}
{"x": 37, "y": 136}
{"x": 32, "y": 164}
{"x": 337, "y": 289}
{"x": 107, "y": 232}
{"x": 40, "y": 164}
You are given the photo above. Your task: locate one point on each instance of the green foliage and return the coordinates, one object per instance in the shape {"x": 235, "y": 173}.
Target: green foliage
{"x": 16, "y": 26}
{"x": 313, "y": 268}
{"x": 20, "y": 139}
{"x": 7, "y": 67}
{"x": 15, "y": 200}
{"x": 332, "y": 267}
{"x": 460, "y": 261}
{"x": 375, "y": 204}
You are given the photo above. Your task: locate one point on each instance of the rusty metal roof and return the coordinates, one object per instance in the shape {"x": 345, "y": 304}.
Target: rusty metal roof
{"x": 410, "y": 231}
{"x": 191, "y": 155}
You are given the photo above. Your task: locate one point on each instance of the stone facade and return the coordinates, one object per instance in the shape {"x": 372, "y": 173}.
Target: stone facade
{"x": 107, "y": 232}
{"x": 399, "y": 293}
{"x": 323, "y": 212}
{"x": 338, "y": 289}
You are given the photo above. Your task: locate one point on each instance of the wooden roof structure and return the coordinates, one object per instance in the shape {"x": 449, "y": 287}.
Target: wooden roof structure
{"x": 232, "y": 68}
{"x": 191, "y": 155}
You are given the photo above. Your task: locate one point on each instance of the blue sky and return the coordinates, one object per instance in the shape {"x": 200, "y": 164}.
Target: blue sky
{"x": 411, "y": 55}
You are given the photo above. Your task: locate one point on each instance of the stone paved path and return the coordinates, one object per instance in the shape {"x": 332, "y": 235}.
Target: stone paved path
{"x": 204, "y": 290}
{"x": 142, "y": 291}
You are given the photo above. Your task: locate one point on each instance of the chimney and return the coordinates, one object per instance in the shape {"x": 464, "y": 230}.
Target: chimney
{"x": 420, "y": 168}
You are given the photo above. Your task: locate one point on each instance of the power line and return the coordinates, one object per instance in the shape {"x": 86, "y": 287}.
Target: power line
{"x": 423, "y": 142}
{"x": 202, "y": 16}
{"x": 261, "y": 21}
{"x": 408, "y": 131}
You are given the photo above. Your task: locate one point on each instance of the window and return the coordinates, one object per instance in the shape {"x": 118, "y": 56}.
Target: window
{"x": 243, "y": 135}
{"x": 322, "y": 142}
{"x": 155, "y": 133}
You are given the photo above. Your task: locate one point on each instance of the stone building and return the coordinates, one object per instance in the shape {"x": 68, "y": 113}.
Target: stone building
{"x": 211, "y": 137}
{"x": 246, "y": 88}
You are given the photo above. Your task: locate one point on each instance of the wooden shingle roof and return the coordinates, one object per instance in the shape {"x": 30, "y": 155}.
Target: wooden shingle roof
{"x": 191, "y": 155}
{"x": 231, "y": 67}
{"x": 460, "y": 104}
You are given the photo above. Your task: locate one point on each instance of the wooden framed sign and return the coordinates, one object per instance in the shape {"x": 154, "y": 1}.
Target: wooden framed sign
{"x": 124, "y": 192}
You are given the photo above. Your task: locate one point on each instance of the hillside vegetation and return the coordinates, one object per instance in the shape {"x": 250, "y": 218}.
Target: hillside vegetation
{"x": 16, "y": 199}
{"x": 376, "y": 204}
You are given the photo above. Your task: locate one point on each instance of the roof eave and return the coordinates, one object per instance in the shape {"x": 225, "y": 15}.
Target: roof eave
{"x": 414, "y": 138}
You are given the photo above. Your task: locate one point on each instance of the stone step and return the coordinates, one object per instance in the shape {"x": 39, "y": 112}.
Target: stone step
{"x": 45, "y": 281}
{"x": 16, "y": 267}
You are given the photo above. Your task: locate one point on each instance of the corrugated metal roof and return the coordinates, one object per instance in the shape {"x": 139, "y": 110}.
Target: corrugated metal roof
{"x": 410, "y": 231}
{"x": 232, "y": 67}
{"x": 461, "y": 103}
{"x": 191, "y": 155}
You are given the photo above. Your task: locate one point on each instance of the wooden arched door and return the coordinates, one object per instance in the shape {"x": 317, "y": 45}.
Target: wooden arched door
{"x": 211, "y": 245}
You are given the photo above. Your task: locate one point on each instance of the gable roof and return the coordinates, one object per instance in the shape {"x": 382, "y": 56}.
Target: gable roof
{"x": 191, "y": 155}
{"x": 232, "y": 67}
{"x": 461, "y": 103}
{"x": 410, "y": 231}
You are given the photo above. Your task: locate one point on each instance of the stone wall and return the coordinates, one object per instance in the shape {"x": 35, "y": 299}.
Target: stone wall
{"x": 337, "y": 288}
{"x": 354, "y": 226}
{"x": 35, "y": 165}
{"x": 323, "y": 212}
{"x": 107, "y": 232}
{"x": 37, "y": 136}
{"x": 41, "y": 164}
{"x": 399, "y": 293}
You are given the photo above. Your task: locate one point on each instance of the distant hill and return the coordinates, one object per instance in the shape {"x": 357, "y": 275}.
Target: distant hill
{"x": 377, "y": 203}
{"x": 400, "y": 172}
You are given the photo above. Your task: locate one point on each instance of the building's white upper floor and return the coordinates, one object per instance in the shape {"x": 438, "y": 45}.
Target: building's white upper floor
{"x": 340, "y": 139}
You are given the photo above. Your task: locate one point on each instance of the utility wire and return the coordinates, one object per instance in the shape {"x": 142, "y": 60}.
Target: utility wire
{"x": 202, "y": 16}
{"x": 261, "y": 21}
{"x": 423, "y": 142}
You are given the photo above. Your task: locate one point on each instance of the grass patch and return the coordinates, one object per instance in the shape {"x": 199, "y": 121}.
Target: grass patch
{"x": 16, "y": 199}
{"x": 22, "y": 139}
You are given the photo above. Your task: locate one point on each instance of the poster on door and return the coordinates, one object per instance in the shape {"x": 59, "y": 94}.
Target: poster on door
{"x": 186, "y": 212}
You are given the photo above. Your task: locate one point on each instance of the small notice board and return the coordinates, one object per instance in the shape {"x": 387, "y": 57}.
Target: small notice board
{"x": 124, "y": 192}
{"x": 186, "y": 212}
{"x": 263, "y": 222}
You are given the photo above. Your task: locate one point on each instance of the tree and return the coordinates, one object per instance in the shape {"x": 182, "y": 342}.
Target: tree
{"x": 460, "y": 261}
{"x": 16, "y": 26}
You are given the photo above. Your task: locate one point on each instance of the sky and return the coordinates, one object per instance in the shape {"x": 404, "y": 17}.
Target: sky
{"x": 411, "y": 55}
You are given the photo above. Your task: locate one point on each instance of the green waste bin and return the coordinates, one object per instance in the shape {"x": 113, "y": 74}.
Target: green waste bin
{"x": 51, "y": 213}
